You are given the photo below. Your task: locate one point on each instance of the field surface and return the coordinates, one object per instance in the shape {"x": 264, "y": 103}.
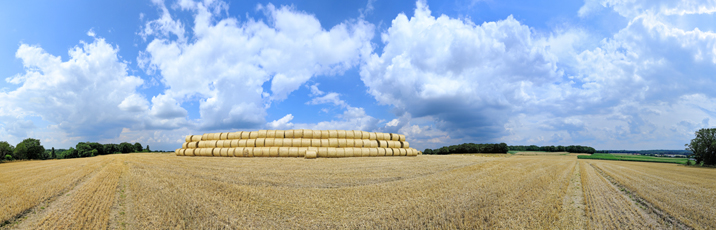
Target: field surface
{"x": 629, "y": 157}
{"x": 160, "y": 191}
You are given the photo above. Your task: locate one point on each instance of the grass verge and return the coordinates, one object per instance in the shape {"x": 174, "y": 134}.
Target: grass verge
{"x": 624, "y": 157}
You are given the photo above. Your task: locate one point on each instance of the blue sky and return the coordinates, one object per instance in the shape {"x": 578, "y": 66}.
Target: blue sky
{"x": 609, "y": 74}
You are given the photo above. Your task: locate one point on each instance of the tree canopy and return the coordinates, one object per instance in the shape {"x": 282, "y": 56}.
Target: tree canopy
{"x": 704, "y": 147}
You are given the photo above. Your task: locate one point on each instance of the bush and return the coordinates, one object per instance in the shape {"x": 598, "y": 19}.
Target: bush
{"x": 8, "y": 157}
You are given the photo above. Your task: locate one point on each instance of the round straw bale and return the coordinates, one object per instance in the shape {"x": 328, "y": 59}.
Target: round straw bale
{"x": 365, "y": 152}
{"x": 242, "y": 143}
{"x": 329, "y": 142}
{"x": 293, "y": 152}
{"x": 188, "y": 138}
{"x": 193, "y": 145}
{"x": 205, "y": 137}
{"x": 245, "y": 135}
{"x": 258, "y": 152}
{"x": 382, "y": 144}
{"x": 331, "y": 134}
{"x": 340, "y": 134}
{"x": 305, "y": 142}
{"x": 239, "y": 152}
{"x": 312, "y": 149}
{"x": 251, "y": 143}
{"x": 372, "y": 136}
{"x": 248, "y": 152}
{"x": 347, "y": 152}
{"x": 232, "y": 135}
{"x": 388, "y": 151}
{"x": 307, "y": 134}
{"x": 287, "y": 142}
{"x": 254, "y": 134}
{"x": 288, "y": 134}
{"x": 219, "y": 143}
{"x": 302, "y": 151}
{"x": 350, "y": 134}
{"x": 195, "y": 138}
{"x": 404, "y": 144}
{"x": 413, "y": 152}
{"x": 325, "y": 134}
{"x": 357, "y": 134}
{"x": 298, "y": 133}
{"x": 190, "y": 152}
{"x": 224, "y": 152}
{"x": 315, "y": 142}
{"x": 296, "y": 142}
{"x": 322, "y": 152}
{"x": 402, "y": 137}
{"x": 390, "y": 144}
{"x": 234, "y": 143}
{"x": 223, "y": 136}
{"x": 331, "y": 152}
{"x": 260, "y": 142}
{"x": 278, "y": 142}
{"x": 374, "y": 144}
{"x": 213, "y": 144}
{"x": 177, "y": 151}
{"x": 270, "y": 133}
{"x": 381, "y": 152}
{"x": 262, "y": 134}
{"x": 185, "y": 145}
{"x": 279, "y": 134}
{"x": 202, "y": 144}
{"x": 318, "y": 134}
{"x": 341, "y": 143}
{"x": 283, "y": 151}
{"x": 365, "y": 135}
{"x": 217, "y": 136}
{"x": 310, "y": 154}
{"x": 210, "y": 152}
{"x": 269, "y": 142}
{"x": 402, "y": 152}
{"x": 231, "y": 152}
{"x": 368, "y": 143}
{"x": 373, "y": 152}
{"x": 350, "y": 143}
{"x": 273, "y": 151}
{"x": 198, "y": 152}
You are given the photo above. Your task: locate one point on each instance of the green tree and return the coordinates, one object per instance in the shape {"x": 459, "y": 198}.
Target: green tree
{"x": 137, "y": 147}
{"x": 20, "y": 152}
{"x": 148, "y": 150}
{"x": 125, "y": 147}
{"x": 704, "y": 147}
{"x": 52, "y": 155}
{"x": 34, "y": 150}
{"x": 84, "y": 149}
{"x": 6, "y": 149}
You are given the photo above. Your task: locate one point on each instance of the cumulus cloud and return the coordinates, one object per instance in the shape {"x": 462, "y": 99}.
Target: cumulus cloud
{"x": 91, "y": 94}
{"x": 228, "y": 61}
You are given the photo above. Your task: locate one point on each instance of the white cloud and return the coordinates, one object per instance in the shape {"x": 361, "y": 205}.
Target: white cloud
{"x": 229, "y": 59}
{"x": 283, "y": 123}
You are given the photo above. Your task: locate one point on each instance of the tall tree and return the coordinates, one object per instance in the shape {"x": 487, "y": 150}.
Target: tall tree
{"x": 137, "y": 147}
{"x": 6, "y": 149}
{"x": 704, "y": 147}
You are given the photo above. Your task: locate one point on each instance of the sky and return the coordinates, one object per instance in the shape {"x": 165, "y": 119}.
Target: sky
{"x": 611, "y": 74}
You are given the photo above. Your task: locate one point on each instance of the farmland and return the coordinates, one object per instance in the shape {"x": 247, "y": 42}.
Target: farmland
{"x": 150, "y": 191}
{"x": 628, "y": 157}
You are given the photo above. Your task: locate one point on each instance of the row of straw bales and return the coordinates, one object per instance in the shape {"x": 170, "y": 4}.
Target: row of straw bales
{"x": 297, "y": 133}
{"x": 308, "y": 152}
{"x": 296, "y": 142}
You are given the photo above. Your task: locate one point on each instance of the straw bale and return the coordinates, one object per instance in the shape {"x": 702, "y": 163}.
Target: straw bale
{"x": 382, "y": 144}
{"x": 404, "y": 144}
{"x": 312, "y": 149}
{"x": 251, "y": 143}
{"x": 326, "y": 143}
{"x": 347, "y": 152}
{"x": 280, "y": 134}
{"x": 381, "y": 151}
{"x": 334, "y": 143}
{"x": 269, "y": 142}
{"x": 318, "y": 134}
{"x": 293, "y": 152}
{"x": 315, "y": 142}
{"x": 205, "y": 152}
{"x": 177, "y": 151}
{"x": 350, "y": 143}
{"x": 311, "y": 154}
{"x": 322, "y": 152}
{"x": 239, "y": 152}
{"x": 350, "y": 134}
{"x": 332, "y": 152}
{"x": 261, "y": 151}
{"x": 307, "y": 133}
{"x": 201, "y": 144}
{"x": 340, "y": 134}
{"x": 368, "y": 143}
{"x": 195, "y": 138}
{"x": 270, "y": 133}
{"x": 298, "y": 133}
{"x": 302, "y": 151}
{"x": 188, "y": 138}
{"x": 248, "y": 152}
{"x": 365, "y": 135}
{"x": 286, "y": 142}
{"x": 341, "y": 143}
{"x": 305, "y": 142}
{"x": 331, "y": 134}
{"x": 219, "y": 143}
{"x": 185, "y": 145}
{"x": 261, "y": 134}
{"x": 231, "y": 152}
{"x": 374, "y": 144}
{"x": 245, "y": 135}
{"x": 254, "y": 134}
{"x": 403, "y": 152}
{"x": 390, "y": 144}
{"x": 190, "y": 152}
{"x": 288, "y": 134}
{"x": 273, "y": 151}
{"x": 224, "y": 152}
{"x": 373, "y": 152}
{"x": 232, "y": 135}
{"x": 372, "y": 136}
{"x": 402, "y": 137}
{"x": 365, "y": 152}
{"x": 234, "y": 143}
{"x": 205, "y": 137}
{"x": 192, "y": 145}
{"x": 260, "y": 142}
{"x": 357, "y": 134}
{"x": 223, "y": 136}
{"x": 283, "y": 151}
{"x": 212, "y": 144}
{"x": 388, "y": 151}
{"x": 296, "y": 142}
{"x": 217, "y": 136}
{"x": 242, "y": 143}
{"x": 278, "y": 142}
{"x": 325, "y": 134}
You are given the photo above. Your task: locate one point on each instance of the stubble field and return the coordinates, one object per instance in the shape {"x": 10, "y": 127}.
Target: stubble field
{"x": 159, "y": 191}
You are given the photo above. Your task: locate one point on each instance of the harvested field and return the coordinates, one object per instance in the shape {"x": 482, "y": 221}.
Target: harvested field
{"x": 159, "y": 191}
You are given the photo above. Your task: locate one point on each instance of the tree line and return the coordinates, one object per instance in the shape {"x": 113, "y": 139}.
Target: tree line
{"x": 552, "y": 148}
{"x": 468, "y": 148}
{"x": 32, "y": 149}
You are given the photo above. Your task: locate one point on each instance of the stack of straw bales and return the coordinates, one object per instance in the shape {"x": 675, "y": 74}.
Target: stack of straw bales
{"x": 297, "y": 143}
